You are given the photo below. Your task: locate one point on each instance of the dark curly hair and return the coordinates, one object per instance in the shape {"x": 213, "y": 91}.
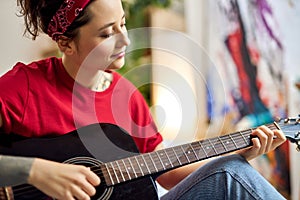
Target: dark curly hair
{"x": 38, "y": 13}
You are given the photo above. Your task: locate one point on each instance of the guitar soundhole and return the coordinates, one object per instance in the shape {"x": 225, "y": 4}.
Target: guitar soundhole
{"x": 103, "y": 192}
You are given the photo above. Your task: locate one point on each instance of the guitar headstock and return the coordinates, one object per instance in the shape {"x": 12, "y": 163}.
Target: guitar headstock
{"x": 291, "y": 129}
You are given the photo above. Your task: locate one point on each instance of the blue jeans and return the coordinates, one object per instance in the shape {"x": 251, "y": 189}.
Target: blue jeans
{"x": 227, "y": 177}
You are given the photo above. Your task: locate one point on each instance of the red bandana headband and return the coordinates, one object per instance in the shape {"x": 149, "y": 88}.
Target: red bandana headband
{"x": 64, "y": 17}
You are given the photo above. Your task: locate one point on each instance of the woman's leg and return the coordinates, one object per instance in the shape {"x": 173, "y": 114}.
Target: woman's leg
{"x": 227, "y": 177}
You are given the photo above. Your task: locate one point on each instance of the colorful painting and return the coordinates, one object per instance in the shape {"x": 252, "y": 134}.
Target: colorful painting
{"x": 253, "y": 68}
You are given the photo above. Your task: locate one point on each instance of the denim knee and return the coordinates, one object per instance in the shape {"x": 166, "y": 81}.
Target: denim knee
{"x": 227, "y": 177}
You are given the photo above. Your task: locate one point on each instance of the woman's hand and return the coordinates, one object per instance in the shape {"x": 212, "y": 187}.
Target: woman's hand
{"x": 264, "y": 140}
{"x": 63, "y": 181}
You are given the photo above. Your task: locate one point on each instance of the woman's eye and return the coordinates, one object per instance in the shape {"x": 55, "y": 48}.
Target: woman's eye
{"x": 107, "y": 35}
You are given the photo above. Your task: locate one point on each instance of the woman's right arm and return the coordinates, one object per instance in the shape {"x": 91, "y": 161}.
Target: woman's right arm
{"x": 63, "y": 181}
{"x": 58, "y": 180}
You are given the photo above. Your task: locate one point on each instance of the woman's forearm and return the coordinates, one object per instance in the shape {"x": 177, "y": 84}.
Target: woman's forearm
{"x": 14, "y": 170}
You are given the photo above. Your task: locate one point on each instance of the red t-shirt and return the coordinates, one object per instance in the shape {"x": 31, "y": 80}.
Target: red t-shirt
{"x": 41, "y": 99}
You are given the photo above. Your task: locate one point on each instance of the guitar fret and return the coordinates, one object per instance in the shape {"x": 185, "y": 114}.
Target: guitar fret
{"x": 152, "y": 168}
{"x": 223, "y": 145}
{"x": 243, "y": 137}
{"x": 114, "y": 173}
{"x": 245, "y": 140}
{"x": 199, "y": 151}
{"x": 158, "y": 161}
{"x": 128, "y": 174}
{"x": 110, "y": 177}
{"x": 184, "y": 153}
{"x": 164, "y": 159}
{"x": 168, "y": 158}
{"x": 136, "y": 166}
{"x": 181, "y": 155}
{"x": 233, "y": 141}
{"x": 203, "y": 149}
{"x": 239, "y": 141}
{"x": 189, "y": 153}
{"x": 229, "y": 143}
{"x": 196, "y": 156}
{"x": 120, "y": 171}
{"x": 145, "y": 163}
{"x": 139, "y": 166}
{"x": 213, "y": 146}
{"x": 217, "y": 146}
{"x": 172, "y": 157}
{"x": 207, "y": 148}
{"x": 132, "y": 168}
{"x": 129, "y": 168}
{"x": 177, "y": 156}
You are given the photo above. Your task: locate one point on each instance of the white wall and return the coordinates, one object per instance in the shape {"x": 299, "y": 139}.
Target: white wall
{"x": 14, "y": 46}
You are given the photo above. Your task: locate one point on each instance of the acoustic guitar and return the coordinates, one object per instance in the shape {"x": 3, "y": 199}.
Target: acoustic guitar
{"x": 111, "y": 153}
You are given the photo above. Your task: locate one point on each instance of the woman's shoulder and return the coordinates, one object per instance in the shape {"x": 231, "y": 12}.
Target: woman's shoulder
{"x": 43, "y": 64}
{"x": 36, "y": 70}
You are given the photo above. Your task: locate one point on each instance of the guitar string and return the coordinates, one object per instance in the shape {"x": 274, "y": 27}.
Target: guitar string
{"x": 240, "y": 144}
{"x": 235, "y": 136}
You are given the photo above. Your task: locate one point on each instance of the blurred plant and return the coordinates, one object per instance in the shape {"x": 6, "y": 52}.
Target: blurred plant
{"x": 137, "y": 15}
{"x": 137, "y": 11}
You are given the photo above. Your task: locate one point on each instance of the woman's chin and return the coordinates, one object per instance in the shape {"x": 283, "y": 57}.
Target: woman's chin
{"x": 118, "y": 64}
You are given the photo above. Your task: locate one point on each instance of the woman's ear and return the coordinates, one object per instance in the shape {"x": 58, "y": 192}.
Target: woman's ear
{"x": 66, "y": 45}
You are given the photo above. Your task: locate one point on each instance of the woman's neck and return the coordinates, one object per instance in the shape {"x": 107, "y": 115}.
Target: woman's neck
{"x": 96, "y": 80}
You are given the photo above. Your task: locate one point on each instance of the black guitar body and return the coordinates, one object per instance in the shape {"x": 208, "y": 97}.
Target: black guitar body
{"x": 89, "y": 146}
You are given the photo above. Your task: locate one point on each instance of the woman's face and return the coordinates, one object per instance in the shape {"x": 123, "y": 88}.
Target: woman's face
{"x": 102, "y": 42}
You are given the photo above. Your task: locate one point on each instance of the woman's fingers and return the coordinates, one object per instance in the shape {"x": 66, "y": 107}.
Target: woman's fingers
{"x": 264, "y": 140}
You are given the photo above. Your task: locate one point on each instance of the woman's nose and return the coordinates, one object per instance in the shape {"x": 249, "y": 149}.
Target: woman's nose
{"x": 122, "y": 39}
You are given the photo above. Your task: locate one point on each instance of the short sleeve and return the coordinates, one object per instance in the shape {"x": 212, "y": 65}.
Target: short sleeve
{"x": 145, "y": 132}
{"x": 13, "y": 96}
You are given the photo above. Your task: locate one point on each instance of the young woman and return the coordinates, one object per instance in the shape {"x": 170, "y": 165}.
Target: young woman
{"x": 55, "y": 96}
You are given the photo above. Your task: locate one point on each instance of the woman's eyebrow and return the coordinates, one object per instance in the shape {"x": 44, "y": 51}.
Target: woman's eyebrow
{"x": 109, "y": 24}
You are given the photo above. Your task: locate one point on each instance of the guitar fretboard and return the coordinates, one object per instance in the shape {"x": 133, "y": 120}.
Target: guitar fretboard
{"x": 163, "y": 160}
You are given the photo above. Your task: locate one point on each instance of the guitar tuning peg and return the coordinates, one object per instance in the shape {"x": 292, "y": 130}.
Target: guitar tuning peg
{"x": 277, "y": 119}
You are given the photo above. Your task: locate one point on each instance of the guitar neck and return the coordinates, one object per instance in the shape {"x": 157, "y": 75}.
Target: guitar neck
{"x": 170, "y": 158}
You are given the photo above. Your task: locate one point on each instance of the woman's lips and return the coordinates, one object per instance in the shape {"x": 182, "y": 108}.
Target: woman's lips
{"x": 119, "y": 55}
